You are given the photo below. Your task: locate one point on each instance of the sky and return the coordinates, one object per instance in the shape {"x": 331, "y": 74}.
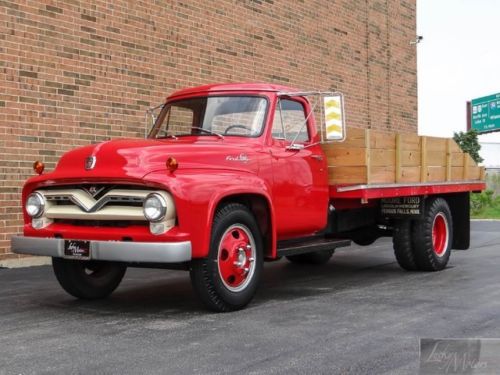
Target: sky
{"x": 458, "y": 60}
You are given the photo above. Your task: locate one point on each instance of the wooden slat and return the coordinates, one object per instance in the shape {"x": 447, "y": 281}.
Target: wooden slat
{"x": 474, "y": 172}
{"x": 410, "y": 158}
{"x": 436, "y": 144}
{"x": 410, "y": 142}
{"x": 448, "y": 158}
{"x": 457, "y": 173}
{"x": 382, "y": 174}
{"x": 381, "y": 157}
{"x": 457, "y": 159}
{"x": 423, "y": 159}
{"x": 436, "y": 174}
{"x": 355, "y": 138}
{"x": 347, "y": 175}
{"x": 409, "y": 174}
{"x": 386, "y": 141}
{"x": 397, "y": 158}
{"x": 436, "y": 158}
{"x": 470, "y": 161}
{"x": 346, "y": 156}
{"x": 454, "y": 147}
{"x": 466, "y": 166}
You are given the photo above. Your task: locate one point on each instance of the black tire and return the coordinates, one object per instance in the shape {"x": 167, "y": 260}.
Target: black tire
{"x": 215, "y": 280}
{"x": 318, "y": 257}
{"x": 433, "y": 254}
{"x": 88, "y": 279}
{"x": 401, "y": 242}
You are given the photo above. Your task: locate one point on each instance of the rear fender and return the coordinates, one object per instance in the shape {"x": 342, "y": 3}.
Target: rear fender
{"x": 460, "y": 213}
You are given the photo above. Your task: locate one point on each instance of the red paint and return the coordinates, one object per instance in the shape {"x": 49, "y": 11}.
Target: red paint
{"x": 236, "y": 258}
{"x": 293, "y": 183}
{"x": 440, "y": 234}
{"x": 367, "y": 192}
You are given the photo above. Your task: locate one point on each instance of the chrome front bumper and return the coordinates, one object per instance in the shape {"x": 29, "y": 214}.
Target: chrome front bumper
{"x": 116, "y": 251}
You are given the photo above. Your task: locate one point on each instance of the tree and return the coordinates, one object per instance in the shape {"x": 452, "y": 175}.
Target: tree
{"x": 468, "y": 143}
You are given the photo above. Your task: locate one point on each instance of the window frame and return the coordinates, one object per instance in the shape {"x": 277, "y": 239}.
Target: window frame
{"x": 278, "y": 108}
{"x": 218, "y": 95}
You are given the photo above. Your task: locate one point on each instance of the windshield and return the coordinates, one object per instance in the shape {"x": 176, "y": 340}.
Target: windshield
{"x": 217, "y": 115}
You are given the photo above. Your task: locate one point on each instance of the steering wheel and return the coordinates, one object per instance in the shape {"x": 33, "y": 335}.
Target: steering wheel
{"x": 235, "y": 126}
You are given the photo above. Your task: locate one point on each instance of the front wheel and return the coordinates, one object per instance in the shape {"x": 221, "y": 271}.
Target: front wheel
{"x": 227, "y": 279}
{"x": 88, "y": 279}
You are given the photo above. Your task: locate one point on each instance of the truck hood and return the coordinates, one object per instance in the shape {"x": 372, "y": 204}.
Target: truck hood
{"x": 134, "y": 158}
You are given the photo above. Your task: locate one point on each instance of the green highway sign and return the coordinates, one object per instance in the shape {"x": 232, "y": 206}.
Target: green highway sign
{"x": 485, "y": 113}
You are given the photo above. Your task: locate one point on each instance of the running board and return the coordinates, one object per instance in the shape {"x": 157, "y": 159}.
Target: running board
{"x": 309, "y": 245}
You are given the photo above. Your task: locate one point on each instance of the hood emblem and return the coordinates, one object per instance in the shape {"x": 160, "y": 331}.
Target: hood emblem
{"x": 90, "y": 162}
{"x": 93, "y": 190}
{"x": 242, "y": 158}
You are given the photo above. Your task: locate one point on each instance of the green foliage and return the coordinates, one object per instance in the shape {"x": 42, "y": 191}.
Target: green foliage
{"x": 485, "y": 205}
{"x": 468, "y": 143}
{"x": 479, "y": 202}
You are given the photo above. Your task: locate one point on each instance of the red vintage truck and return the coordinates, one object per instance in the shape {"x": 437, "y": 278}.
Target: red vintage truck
{"x": 232, "y": 175}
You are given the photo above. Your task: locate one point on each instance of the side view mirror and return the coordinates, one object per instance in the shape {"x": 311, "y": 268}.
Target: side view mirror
{"x": 333, "y": 122}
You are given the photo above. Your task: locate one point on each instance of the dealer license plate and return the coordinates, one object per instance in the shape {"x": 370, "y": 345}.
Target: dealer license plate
{"x": 77, "y": 249}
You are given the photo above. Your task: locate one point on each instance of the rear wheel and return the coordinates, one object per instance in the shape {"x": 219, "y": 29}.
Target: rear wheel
{"x": 317, "y": 257}
{"x": 88, "y": 279}
{"x": 401, "y": 242}
{"x": 227, "y": 280}
{"x": 432, "y": 237}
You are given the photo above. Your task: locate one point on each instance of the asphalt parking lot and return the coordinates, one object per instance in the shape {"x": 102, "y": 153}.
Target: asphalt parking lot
{"x": 360, "y": 313}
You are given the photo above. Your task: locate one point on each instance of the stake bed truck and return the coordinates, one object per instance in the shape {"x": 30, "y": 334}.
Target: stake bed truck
{"x": 232, "y": 175}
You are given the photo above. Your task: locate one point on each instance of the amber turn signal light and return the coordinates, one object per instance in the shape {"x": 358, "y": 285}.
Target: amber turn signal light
{"x": 38, "y": 167}
{"x": 172, "y": 164}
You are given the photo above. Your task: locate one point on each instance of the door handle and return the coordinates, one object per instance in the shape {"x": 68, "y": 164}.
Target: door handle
{"x": 317, "y": 157}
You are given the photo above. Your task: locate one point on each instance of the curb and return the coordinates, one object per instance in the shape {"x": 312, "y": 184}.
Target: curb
{"x": 25, "y": 262}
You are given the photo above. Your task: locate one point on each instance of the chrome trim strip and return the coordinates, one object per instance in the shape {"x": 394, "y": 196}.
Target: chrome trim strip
{"x": 117, "y": 251}
{"x": 415, "y": 184}
{"x": 107, "y": 213}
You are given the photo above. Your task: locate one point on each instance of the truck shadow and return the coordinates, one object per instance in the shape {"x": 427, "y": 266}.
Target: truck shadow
{"x": 169, "y": 293}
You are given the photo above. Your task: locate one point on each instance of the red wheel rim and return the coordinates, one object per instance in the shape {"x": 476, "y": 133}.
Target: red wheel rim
{"x": 440, "y": 234}
{"x": 236, "y": 257}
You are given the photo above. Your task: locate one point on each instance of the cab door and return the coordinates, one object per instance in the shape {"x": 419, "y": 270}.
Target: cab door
{"x": 300, "y": 175}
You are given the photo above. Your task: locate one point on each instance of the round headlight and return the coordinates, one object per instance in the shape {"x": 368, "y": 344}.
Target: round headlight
{"x": 35, "y": 205}
{"x": 154, "y": 207}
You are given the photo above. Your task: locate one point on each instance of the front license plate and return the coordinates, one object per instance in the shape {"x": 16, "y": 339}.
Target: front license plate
{"x": 77, "y": 249}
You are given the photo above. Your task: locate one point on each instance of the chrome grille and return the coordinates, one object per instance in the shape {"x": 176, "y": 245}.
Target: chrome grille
{"x": 80, "y": 204}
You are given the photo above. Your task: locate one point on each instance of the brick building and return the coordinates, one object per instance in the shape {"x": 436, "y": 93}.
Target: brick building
{"x": 74, "y": 72}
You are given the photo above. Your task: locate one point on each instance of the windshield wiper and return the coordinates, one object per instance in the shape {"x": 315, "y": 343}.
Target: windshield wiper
{"x": 208, "y": 131}
{"x": 165, "y": 134}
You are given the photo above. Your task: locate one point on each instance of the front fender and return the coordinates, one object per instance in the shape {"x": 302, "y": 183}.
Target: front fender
{"x": 198, "y": 192}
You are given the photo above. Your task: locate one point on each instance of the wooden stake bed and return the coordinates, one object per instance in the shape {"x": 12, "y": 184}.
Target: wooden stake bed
{"x": 369, "y": 157}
